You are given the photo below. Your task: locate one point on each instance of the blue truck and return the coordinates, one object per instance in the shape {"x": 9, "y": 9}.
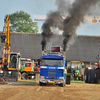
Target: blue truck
{"x": 53, "y": 69}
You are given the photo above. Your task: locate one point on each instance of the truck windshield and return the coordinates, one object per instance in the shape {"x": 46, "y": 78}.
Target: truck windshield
{"x": 52, "y": 62}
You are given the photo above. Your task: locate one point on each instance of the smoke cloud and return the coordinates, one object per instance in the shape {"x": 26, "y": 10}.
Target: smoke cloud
{"x": 51, "y": 21}
{"x": 54, "y": 20}
{"x": 75, "y": 12}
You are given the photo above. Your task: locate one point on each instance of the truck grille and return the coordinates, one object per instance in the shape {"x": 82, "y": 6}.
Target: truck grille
{"x": 52, "y": 73}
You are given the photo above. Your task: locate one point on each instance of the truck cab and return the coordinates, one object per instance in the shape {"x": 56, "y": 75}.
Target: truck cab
{"x": 27, "y": 68}
{"x": 52, "y": 69}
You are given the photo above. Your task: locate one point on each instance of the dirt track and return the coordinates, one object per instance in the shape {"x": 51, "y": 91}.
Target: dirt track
{"x": 33, "y": 91}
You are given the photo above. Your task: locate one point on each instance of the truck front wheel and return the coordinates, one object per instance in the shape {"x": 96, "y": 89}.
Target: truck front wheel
{"x": 24, "y": 76}
{"x": 40, "y": 83}
{"x": 63, "y": 84}
{"x": 97, "y": 78}
{"x": 86, "y": 75}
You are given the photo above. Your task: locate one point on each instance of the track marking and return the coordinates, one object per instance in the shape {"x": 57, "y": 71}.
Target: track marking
{"x": 38, "y": 89}
{"x": 62, "y": 90}
{"x": 8, "y": 83}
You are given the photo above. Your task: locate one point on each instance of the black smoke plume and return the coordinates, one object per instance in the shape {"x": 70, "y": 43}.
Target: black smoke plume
{"x": 54, "y": 21}
{"x": 76, "y": 13}
{"x": 51, "y": 21}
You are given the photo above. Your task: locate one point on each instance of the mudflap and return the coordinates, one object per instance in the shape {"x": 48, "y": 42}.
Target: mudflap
{"x": 10, "y": 76}
{"x": 68, "y": 79}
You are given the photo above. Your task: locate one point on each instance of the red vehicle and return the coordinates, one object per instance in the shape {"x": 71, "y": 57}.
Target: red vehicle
{"x": 36, "y": 66}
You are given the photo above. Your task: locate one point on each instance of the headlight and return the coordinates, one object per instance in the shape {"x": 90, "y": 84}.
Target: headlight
{"x": 9, "y": 72}
{"x": 61, "y": 77}
{"x": 42, "y": 77}
{"x": 1, "y": 71}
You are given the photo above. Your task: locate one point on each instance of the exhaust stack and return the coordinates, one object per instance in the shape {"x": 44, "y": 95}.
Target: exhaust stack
{"x": 42, "y": 52}
{"x": 65, "y": 54}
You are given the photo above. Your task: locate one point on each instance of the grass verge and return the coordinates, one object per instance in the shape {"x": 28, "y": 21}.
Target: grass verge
{"x": 82, "y": 82}
{"x": 29, "y": 80}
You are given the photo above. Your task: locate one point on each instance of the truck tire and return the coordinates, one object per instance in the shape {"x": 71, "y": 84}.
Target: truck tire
{"x": 63, "y": 84}
{"x": 92, "y": 73}
{"x": 81, "y": 77}
{"x": 97, "y": 78}
{"x": 44, "y": 84}
{"x": 24, "y": 76}
{"x": 40, "y": 83}
{"x": 86, "y": 75}
{"x": 89, "y": 78}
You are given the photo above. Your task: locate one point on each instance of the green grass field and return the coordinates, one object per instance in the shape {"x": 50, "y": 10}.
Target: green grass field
{"x": 30, "y": 80}
{"x": 77, "y": 81}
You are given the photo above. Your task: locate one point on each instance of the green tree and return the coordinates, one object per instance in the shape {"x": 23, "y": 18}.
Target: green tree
{"x": 21, "y": 22}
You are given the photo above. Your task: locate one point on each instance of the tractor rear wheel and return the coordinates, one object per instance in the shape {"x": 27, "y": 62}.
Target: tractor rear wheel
{"x": 89, "y": 78}
{"x": 86, "y": 75}
{"x": 97, "y": 78}
{"x": 81, "y": 77}
{"x": 92, "y": 75}
{"x": 24, "y": 76}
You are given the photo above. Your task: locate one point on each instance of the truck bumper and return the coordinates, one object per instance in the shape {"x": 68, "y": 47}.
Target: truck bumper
{"x": 53, "y": 81}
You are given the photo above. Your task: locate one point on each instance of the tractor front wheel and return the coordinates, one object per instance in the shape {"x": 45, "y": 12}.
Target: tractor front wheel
{"x": 86, "y": 75}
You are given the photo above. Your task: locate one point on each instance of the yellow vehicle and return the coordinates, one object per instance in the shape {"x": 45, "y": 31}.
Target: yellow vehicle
{"x": 10, "y": 60}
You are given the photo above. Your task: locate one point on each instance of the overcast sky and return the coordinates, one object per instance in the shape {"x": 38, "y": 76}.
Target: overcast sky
{"x": 40, "y": 7}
